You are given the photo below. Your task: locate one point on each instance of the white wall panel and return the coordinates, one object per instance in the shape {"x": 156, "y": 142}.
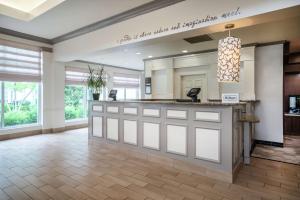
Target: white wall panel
{"x": 130, "y": 132}
{"x": 130, "y": 111}
{"x": 151, "y": 136}
{"x": 208, "y": 144}
{"x": 97, "y": 127}
{"x": 177, "y": 139}
{"x": 112, "y": 109}
{"x": 112, "y": 129}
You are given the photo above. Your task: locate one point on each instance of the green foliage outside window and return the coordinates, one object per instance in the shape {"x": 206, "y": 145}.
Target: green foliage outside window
{"x": 21, "y": 103}
{"x": 75, "y": 102}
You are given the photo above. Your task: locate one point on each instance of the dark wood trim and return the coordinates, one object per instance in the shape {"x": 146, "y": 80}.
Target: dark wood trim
{"x": 275, "y": 160}
{"x": 105, "y": 65}
{"x": 271, "y": 43}
{"x": 47, "y": 49}
{"x": 275, "y": 144}
{"x": 292, "y": 68}
{"x": 134, "y": 12}
{"x": 24, "y": 36}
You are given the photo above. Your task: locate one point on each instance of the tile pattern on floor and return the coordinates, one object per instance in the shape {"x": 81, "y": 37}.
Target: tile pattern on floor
{"x": 290, "y": 153}
{"x": 67, "y": 166}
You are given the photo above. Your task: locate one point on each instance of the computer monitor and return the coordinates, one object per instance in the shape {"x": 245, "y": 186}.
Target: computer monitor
{"x": 294, "y": 103}
{"x": 113, "y": 94}
{"x": 193, "y": 93}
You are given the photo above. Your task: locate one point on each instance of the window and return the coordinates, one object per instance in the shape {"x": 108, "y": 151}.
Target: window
{"x": 21, "y": 100}
{"x": 132, "y": 93}
{"x": 75, "y": 102}
{"x": 20, "y": 77}
{"x": 76, "y": 93}
{"x": 128, "y": 86}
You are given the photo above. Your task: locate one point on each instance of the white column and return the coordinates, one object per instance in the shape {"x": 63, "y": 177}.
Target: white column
{"x": 53, "y": 84}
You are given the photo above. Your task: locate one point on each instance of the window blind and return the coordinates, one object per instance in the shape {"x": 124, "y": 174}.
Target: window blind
{"x": 126, "y": 80}
{"x": 76, "y": 75}
{"x": 19, "y": 63}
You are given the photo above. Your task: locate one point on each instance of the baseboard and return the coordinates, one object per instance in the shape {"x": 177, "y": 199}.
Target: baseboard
{"x": 19, "y": 134}
{"x": 275, "y": 144}
{"x": 252, "y": 147}
{"x": 237, "y": 169}
{"x": 77, "y": 126}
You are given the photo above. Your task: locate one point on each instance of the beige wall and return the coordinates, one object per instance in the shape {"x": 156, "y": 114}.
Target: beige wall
{"x": 170, "y": 71}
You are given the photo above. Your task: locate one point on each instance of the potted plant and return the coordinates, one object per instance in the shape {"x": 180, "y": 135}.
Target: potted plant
{"x": 96, "y": 81}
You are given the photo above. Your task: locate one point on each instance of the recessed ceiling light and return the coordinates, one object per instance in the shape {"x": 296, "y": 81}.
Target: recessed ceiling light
{"x": 150, "y": 56}
{"x": 184, "y": 51}
{"x": 138, "y": 53}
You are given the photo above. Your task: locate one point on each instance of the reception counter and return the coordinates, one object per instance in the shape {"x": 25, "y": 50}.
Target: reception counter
{"x": 204, "y": 138}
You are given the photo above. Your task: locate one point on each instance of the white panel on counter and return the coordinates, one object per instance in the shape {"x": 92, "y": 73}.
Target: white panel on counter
{"x": 130, "y": 132}
{"x": 208, "y": 116}
{"x": 97, "y": 127}
{"x": 151, "y": 112}
{"x": 98, "y": 108}
{"x": 112, "y": 129}
{"x": 177, "y": 139}
{"x": 177, "y": 114}
{"x": 208, "y": 144}
{"x": 151, "y": 136}
{"x": 130, "y": 111}
{"x": 112, "y": 109}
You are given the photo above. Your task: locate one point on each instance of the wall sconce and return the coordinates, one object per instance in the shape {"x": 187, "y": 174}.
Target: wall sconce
{"x": 229, "y": 58}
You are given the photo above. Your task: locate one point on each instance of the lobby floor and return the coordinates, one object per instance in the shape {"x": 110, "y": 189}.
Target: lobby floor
{"x": 68, "y": 166}
{"x": 290, "y": 153}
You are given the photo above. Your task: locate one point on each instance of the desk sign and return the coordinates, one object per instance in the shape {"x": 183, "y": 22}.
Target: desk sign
{"x": 230, "y": 98}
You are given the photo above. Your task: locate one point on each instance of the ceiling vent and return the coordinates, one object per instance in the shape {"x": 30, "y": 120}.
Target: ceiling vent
{"x": 199, "y": 38}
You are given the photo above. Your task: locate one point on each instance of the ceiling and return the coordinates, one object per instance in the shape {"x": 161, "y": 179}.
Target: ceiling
{"x": 65, "y": 17}
{"x": 131, "y": 56}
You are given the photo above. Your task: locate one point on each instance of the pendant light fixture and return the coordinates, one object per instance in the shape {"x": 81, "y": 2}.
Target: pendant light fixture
{"x": 229, "y": 58}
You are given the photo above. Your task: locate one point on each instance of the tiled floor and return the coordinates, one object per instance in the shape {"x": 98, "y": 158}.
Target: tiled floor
{"x": 68, "y": 166}
{"x": 290, "y": 153}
